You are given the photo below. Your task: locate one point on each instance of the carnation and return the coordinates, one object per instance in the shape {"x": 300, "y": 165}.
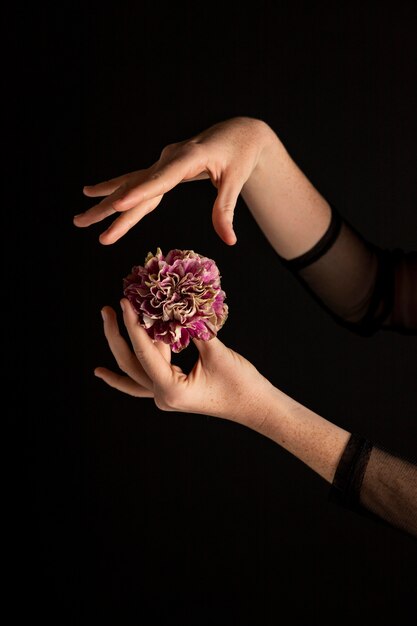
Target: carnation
{"x": 177, "y": 297}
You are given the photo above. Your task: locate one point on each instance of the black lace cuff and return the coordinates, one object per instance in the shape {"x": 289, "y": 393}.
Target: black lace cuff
{"x": 347, "y": 481}
{"x": 320, "y": 248}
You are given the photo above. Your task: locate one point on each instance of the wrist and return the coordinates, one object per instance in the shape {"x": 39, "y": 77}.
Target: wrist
{"x": 265, "y": 409}
{"x": 308, "y": 436}
{"x": 272, "y": 155}
{"x": 260, "y": 135}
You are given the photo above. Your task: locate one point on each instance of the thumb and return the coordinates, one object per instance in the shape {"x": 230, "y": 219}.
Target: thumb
{"x": 208, "y": 349}
{"x": 223, "y": 211}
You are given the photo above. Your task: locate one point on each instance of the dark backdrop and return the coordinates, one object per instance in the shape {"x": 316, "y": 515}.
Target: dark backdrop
{"x": 135, "y": 516}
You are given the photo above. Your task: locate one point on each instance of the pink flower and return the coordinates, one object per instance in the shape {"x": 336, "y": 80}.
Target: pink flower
{"x": 177, "y": 296}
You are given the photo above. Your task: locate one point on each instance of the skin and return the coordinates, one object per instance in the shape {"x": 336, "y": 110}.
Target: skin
{"x": 223, "y": 384}
{"x": 240, "y": 156}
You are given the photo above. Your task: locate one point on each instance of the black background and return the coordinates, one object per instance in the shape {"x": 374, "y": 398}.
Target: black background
{"x": 135, "y": 516}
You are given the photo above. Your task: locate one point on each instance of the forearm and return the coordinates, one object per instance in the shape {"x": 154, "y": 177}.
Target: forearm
{"x": 347, "y": 274}
{"x": 308, "y": 436}
{"x": 290, "y": 211}
{"x": 363, "y": 477}
{"x": 389, "y": 489}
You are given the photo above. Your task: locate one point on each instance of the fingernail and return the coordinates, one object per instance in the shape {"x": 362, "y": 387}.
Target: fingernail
{"x": 78, "y": 215}
{"x": 103, "y": 314}
{"x": 122, "y": 306}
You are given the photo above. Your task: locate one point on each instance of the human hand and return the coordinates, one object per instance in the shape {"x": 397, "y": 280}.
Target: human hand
{"x": 226, "y": 153}
{"x": 222, "y": 383}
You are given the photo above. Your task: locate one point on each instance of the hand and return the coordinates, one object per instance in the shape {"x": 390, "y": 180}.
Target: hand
{"x": 222, "y": 383}
{"x": 226, "y": 153}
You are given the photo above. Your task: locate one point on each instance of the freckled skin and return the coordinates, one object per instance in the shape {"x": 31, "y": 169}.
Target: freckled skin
{"x": 244, "y": 157}
{"x": 223, "y": 384}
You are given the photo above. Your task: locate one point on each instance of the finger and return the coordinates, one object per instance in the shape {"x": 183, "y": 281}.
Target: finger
{"x": 98, "y": 212}
{"x": 164, "y": 349}
{"x": 211, "y": 353}
{"x": 124, "y": 222}
{"x": 223, "y": 211}
{"x": 106, "y": 187}
{"x": 202, "y": 176}
{"x": 122, "y": 383}
{"x": 162, "y": 180}
{"x": 208, "y": 348}
{"x": 124, "y": 356}
{"x": 152, "y": 361}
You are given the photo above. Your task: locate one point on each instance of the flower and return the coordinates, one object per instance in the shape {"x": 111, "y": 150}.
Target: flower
{"x": 177, "y": 297}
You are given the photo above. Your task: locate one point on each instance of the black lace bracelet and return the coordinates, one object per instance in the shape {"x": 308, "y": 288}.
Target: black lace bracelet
{"x": 320, "y": 248}
{"x": 348, "y": 478}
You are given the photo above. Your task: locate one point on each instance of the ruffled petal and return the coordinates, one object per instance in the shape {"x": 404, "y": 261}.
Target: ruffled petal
{"x": 177, "y": 296}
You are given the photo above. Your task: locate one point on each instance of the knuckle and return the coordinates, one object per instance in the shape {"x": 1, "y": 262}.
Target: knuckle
{"x": 182, "y": 149}
{"x": 169, "y": 149}
{"x": 158, "y": 176}
{"x": 123, "y": 365}
{"x": 138, "y": 353}
{"x": 194, "y": 149}
{"x": 168, "y": 400}
{"x": 160, "y": 403}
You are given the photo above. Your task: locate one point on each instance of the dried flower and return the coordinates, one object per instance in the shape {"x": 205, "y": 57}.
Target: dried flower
{"x": 177, "y": 296}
